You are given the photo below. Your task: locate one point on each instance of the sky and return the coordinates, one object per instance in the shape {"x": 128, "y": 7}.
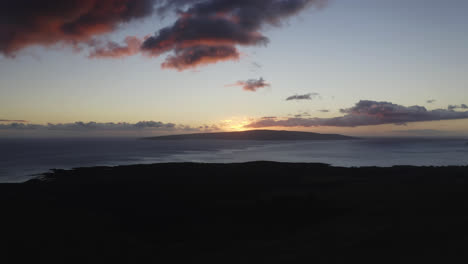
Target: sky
{"x": 150, "y": 67}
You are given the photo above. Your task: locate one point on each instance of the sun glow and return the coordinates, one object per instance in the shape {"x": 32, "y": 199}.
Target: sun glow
{"x": 236, "y": 123}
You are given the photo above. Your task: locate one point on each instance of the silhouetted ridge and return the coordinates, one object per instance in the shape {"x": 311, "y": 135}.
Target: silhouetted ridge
{"x": 257, "y": 135}
{"x": 256, "y": 212}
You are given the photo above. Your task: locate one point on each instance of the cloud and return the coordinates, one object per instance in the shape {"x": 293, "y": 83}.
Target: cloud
{"x": 192, "y": 57}
{"x": 88, "y": 126}
{"x": 308, "y": 96}
{"x": 25, "y": 23}
{"x": 431, "y": 101}
{"x": 95, "y": 129}
{"x": 368, "y": 113}
{"x": 455, "y": 107}
{"x": 252, "y": 85}
{"x": 210, "y": 29}
{"x": 206, "y": 25}
{"x": 324, "y": 111}
{"x": 220, "y": 23}
{"x": 14, "y": 121}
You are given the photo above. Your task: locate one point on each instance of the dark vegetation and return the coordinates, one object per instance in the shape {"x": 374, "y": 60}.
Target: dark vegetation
{"x": 257, "y": 135}
{"x": 258, "y": 212}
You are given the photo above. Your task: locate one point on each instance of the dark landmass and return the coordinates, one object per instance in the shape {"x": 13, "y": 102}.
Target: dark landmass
{"x": 260, "y": 212}
{"x": 256, "y": 135}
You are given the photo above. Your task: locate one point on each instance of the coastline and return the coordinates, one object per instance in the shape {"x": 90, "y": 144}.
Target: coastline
{"x": 259, "y": 212}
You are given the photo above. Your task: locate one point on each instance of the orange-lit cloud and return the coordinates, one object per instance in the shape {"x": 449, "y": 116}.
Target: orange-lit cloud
{"x": 213, "y": 23}
{"x": 200, "y": 55}
{"x": 47, "y": 22}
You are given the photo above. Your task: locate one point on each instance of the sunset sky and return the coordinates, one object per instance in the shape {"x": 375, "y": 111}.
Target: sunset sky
{"x": 144, "y": 67}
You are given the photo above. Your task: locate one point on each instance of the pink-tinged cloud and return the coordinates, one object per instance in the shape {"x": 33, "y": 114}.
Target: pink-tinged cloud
{"x": 25, "y": 23}
{"x": 116, "y": 50}
{"x": 192, "y": 57}
{"x": 200, "y": 25}
{"x": 367, "y": 113}
{"x": 252, "y": 85}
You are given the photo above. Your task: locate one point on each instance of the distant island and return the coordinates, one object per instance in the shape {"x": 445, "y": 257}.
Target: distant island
{"x": 256, "y": 135}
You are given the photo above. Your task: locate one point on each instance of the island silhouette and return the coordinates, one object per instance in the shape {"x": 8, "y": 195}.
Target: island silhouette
{"x": 256, "y": 135}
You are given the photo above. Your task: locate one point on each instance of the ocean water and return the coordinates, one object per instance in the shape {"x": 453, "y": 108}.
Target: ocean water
{"x": 21, "y": 159}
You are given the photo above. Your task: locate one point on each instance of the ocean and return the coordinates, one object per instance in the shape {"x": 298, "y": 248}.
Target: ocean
{"x": 22, "y": 159}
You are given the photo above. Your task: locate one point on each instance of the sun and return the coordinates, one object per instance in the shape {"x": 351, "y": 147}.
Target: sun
{"x": 236, "y": 123}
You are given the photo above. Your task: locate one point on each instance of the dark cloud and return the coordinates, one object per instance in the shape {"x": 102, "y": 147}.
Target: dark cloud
{"x": 308, "y": 96}
{"x": 455, "y": 107}
{"x": 47, "y": 22}
{"x": 252, "y": 85}
{"x": 219, "y": 23}
{"x": 431, "y": 101}
{"x": 300, "y": 115}
{"x": 14, "y": 121}
{"x": 324, "y": 111}
{"x": 367, "y": 113}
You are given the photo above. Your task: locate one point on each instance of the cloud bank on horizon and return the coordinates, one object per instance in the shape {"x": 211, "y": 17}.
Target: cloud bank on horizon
{"x": 205, "y": 32}
{"x": 364, "y": 113}
{"x": 17, "y": 127}
{"x": 91, "y": 126}
{"x": 369, "y": 113}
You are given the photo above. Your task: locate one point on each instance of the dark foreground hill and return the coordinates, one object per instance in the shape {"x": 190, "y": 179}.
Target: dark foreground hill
{"x": 256, "y": 135}
{"x": 259, "y": 212}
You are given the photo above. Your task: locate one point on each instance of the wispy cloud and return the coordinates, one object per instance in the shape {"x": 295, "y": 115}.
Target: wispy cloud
{"x": 297, "y": 97}
{"x": 367, "y": 113}
{"x": 251, "y": 85}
